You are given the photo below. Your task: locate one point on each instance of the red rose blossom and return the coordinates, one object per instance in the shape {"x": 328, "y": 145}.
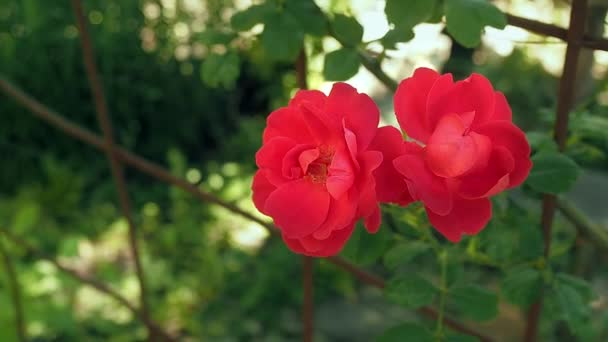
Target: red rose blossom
{"x": 315, "y": 169}
{"x": 465, "y": 149}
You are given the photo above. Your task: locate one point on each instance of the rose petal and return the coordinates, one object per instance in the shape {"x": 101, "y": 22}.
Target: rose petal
{"x": 372, "y": 222}
{"x": 291, "y": 168}
{"x": 314, "y": 97}
{"x": 298, "y": 207}
{"x": 330, "y": 246}
{"x": 506, "y": 134}
{"x": 410, "y": 103}
{"x": 474, "y": 94}
{"x": 449, "y": 152}
{"x": 338, "y": 100}
{"x": 307, "y": 157}
{"x": 423, "y": 185}
{"x": 502, "y": 110}
{"x": 390, "y": 186}
{"x": 362, "y": 117}
{"x": 341, "y": 213}
{"x": 341, "y": 175}
{"x": 288, "y": 123}
{"x": 261, "y": 189}
{"x": 491, "y": 180}
{"x": 466, "y": 217}
{"x": 369, "y": 161}
{"x": 270, "y": 157}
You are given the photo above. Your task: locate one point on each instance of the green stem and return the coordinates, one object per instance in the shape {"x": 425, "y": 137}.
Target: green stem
{"x": 443, "y": 292}
{"x": 13, "y": 285}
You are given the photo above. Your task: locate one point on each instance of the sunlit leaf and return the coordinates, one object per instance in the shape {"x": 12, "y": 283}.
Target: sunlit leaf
{"x": 466, "y": 19}
{"x": 341, "y": 64}
{"x": 347, "y": 30}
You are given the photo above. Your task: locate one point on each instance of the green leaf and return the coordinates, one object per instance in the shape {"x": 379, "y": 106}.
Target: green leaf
{"x": 465, "y": 19}
{"x": 221, "y": 70}
{"x": 406, "y": 332}
{"x": 397, "y": 35}
{"x": 309, "y": 16}
{"x": 475, "y": 302}
{"x": 540, "y": 141}
{"x": 341, "y": 64}
{"x": 403, "y": 253}
{"x": 408, "y": 13}
{"x": 573, "y": 298}
{"x": 282, "y": 37}
{"x": 530, "y": 243}
{"x": 580, "y": 285}
{"x": 248, "y": 18}
{"x": 347, "y": 30}
{"x": 364, "y": 248}
{"x": 552, "y": 173}
{"x": 522, "y": 286}
{"x": 411, "y": 291}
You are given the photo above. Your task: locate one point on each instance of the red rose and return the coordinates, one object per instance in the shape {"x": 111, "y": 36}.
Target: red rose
{"x": 315, "y": 178}
{"x": 466, "y": 149}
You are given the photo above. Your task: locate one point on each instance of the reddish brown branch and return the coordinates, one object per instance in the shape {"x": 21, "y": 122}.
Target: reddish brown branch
{"x": 574, "y": 37}
{"x": 162, "y": 174}
{"x": 103, "y": 118}
{"x": 537, "y": 27}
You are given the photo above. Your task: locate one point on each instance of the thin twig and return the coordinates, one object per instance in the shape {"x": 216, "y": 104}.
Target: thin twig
{"x": 15, "y": 289}
{"x": 556, "y": 32}
{"x": 103, "y": 118}
{"x": 566, "y": 94}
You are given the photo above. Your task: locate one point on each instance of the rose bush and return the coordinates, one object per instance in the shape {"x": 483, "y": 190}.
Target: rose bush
{"x": 315, "y": 169}
{"x": 464, "y": 148}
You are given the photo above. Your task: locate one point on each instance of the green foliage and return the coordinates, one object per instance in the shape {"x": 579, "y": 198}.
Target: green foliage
{"x": 221, "y": 70}
{"x": 552, "y": 173}
{"x": 347, "y": 30}
{"x": 246, "y": 19}
{"x": 475, "y": 302}
{"x": 282, "y": 37}
{"x": 408, "y": 13}
{"x": 403, "y": 253}
{"x": 572, "y": 296}
{"x": 406, "y": 332}
{"x": 341, "y": 64}
{"x": 365, "y": 249}
{"x": 466, "y": 19}
{"x": 522, "y": 286}
{"x": 310, "y": 18}
{"x": 410, "y": 290}
{"x": 397, "y": 35}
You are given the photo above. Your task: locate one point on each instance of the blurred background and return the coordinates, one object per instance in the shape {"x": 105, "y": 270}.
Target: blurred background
{"x": 213, "y": 276}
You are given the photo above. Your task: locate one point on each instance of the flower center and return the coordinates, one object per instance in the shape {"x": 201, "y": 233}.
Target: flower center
{"x": 318, "y": 170}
